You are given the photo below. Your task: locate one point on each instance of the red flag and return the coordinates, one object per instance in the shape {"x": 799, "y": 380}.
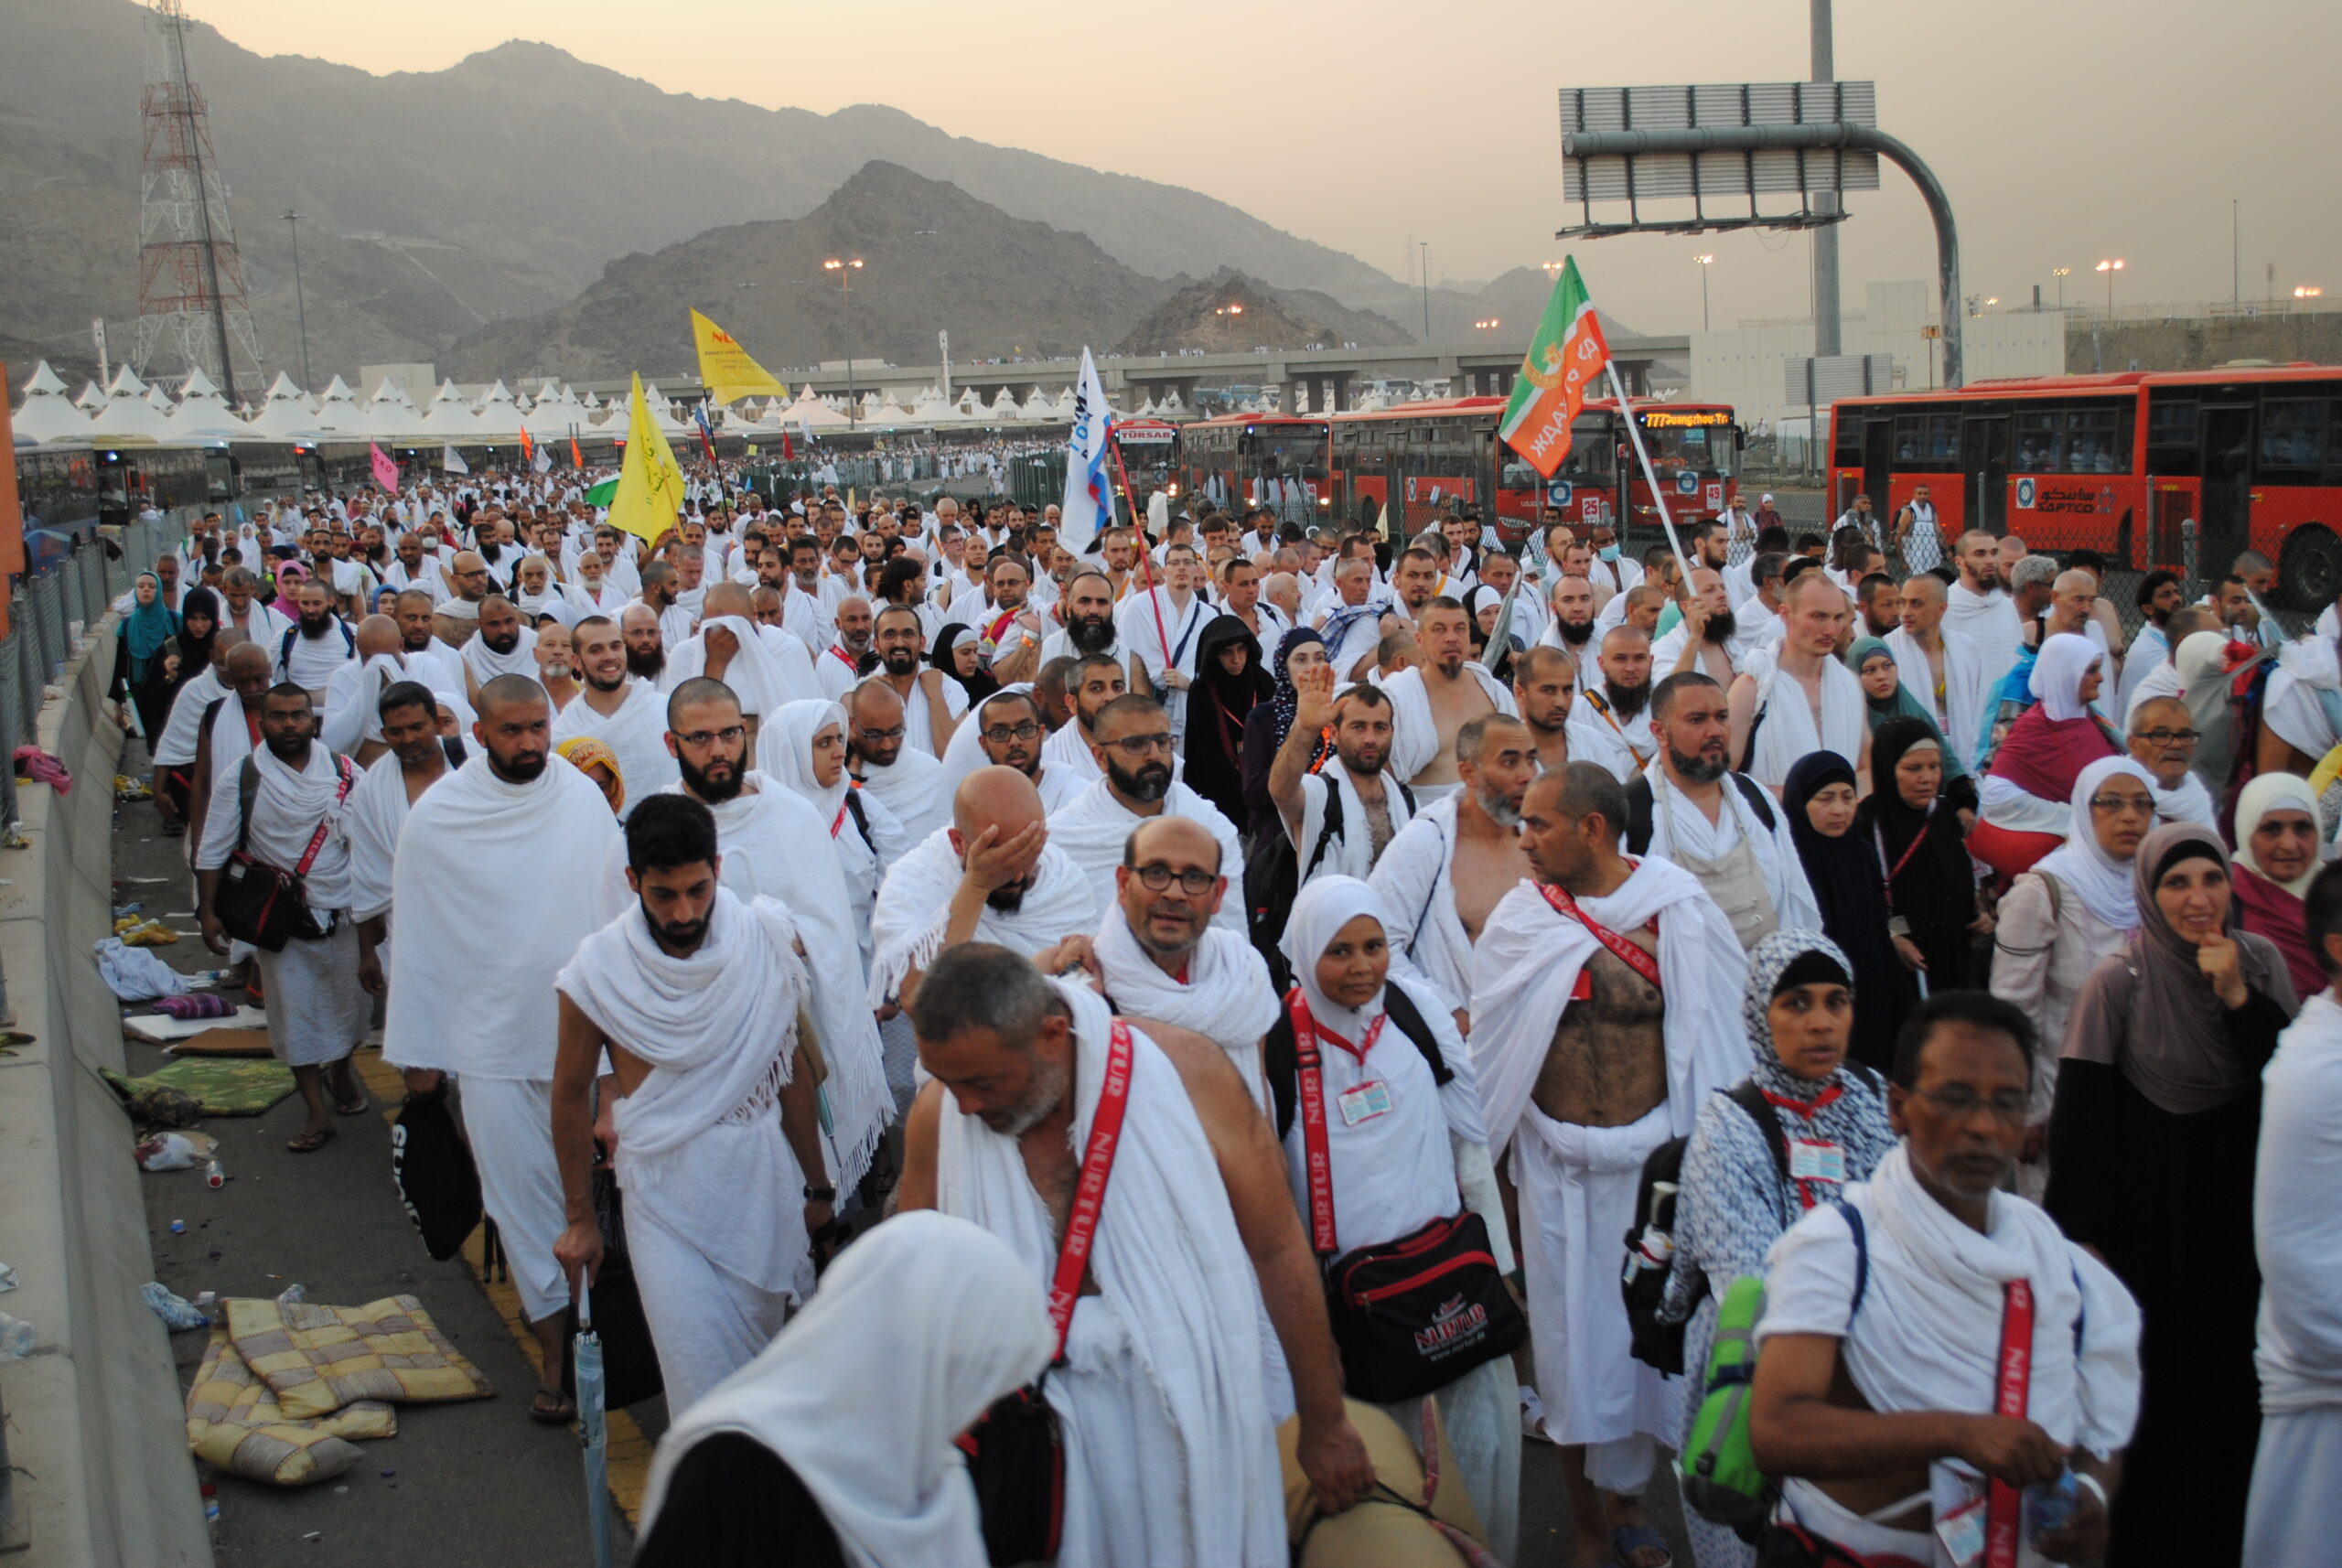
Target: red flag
{"x": 575, "y": 456}
{"x": 787, "y": 448}
{"x": 528, "y": 447}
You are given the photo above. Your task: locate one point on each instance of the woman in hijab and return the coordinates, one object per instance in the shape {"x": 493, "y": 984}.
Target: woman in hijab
{"x": 1422, "y": 1158}
{"x": 1851, "y": 888}
{"x": 2277, "y": 856}
{"x": 803, "y": 748}
{"x": 833, "y": 1448}
{"x": 290, "y": 576}
{"x": 2028, "y": 789}
{"x": 2204, "y": 662}
{"x": 595, "y": 759}
{"x": 1915, "y": 832}
{"x": 1799, "y": 1006}
{"x": 1266, "y": 727}
{"x": 1230, "y": 684}
{"x": 146, "y": 661}
{"x": 2151, "y": 1167}
{"x": 2060, "y": 920}
{"x": 1884, "y": 696}
{"x": 1482, "y": 606}
{"x": 958, "y": 654}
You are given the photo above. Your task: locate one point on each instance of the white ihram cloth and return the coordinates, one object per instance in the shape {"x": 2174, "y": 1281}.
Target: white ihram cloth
{"x": 1170, "y": 1455}
{"x": 2294, "y": 706}
{"x": 473, "y": 846}
{"x": 1425, "y": 1159}
{"x": 1966, "y": 690}
{"x": 353, "y": 714}
{"x": 636, "y": 734}
{"x": 1350, "y": 852}
{"x": 1227, "y": 995}
{"x": 785, "y": 755}
{"x": 765, "y": 835}
{"x": 484, "y": 664}
{"x": 1989, "y": 621}
{"x": 764, "y": 675}
{"x": 702, "y": 1155}
{"x": 1788, "y": 733}
{"x": 2297, "y": 1230}
{"x": 1066, "y": 754}
{"x": 1140, "y": 634}
{"x": 918, "y": 1327}
{"x": 915, "y": 907}
{"x": 918, "y": 727}
{"x": 376, "y": 813}
{"x": 908, "y": 789}
{"x": 317, "y": 1010}
{"x": 1619, "y": 744}
{"x": 1928, "y": 1335}
{"x": 175, "y": 747}
{"x": 966, "y": 754}
{"x": 1414, "y": 734}
{"x": 1577, "y": 1184}
{"x": 1090, "y": 830}
{"x": 1677, "y": 825}
{"x": 1415, "y": 881}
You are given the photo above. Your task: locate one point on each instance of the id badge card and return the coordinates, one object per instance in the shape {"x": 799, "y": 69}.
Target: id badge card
{"x": 1962, "y": 1532}
{"x": 1364, "y": 1102}
{"x": 1812, "y": 1161}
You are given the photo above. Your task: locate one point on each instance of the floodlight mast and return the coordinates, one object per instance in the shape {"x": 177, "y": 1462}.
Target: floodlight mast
{"x": 1749, "y": 138}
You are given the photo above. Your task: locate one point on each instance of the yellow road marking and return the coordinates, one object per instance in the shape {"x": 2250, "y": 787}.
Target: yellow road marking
{"x": 630, "y": 1450}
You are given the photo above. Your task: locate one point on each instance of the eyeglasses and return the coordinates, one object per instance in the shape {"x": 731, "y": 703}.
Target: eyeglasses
{"x": 1139, "y": 745}
{"x": 894, "y": 733}
{"x": 2170, "y": 736}
{"x": 2011, "y": 1106}
{"x": 1001, "y": 735}
{"x": 1194, "y": 882}
{"x": 2116, "y": 805}
{"x": 700, "y": 739}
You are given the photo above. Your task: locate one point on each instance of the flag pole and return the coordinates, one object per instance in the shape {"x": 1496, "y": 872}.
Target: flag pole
{"x": 1145, "y": 563}
{"x": 1659, "y": 498}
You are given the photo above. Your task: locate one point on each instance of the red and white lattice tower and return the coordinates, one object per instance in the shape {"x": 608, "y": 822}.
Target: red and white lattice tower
{"x": 191, "y": 305}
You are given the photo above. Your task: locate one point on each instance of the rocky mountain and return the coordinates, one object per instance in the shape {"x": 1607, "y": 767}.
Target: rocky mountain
{"x": 934, "y": 258}
{"x": 1230, "y": 313}
{"x": 436, "y": 203}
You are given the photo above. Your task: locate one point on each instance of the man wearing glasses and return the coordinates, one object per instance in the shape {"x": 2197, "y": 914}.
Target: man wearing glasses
{"x": 2163, "y": 742}
{"x": 1134, "y": 746}
{"x": 1009, "y": 732}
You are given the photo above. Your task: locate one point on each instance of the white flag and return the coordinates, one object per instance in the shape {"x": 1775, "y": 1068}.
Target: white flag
{"x": 1087, "y": 504}
{"x": 543, "y": 464}
{"x": 451, "y": 461}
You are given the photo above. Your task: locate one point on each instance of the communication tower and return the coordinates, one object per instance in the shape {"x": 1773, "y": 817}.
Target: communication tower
{"x": 192, "y": 303}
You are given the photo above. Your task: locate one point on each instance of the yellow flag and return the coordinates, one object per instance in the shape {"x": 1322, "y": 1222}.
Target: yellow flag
{"x": 724, "y": 367}
{"x": 651, "y": 483}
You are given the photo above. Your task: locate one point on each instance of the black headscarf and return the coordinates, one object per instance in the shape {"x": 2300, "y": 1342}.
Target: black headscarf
{"x": 1218, "y": 706}
{"x": 1935, "y": 888}
{"x": 1852, "y": 891}
{"x": 978, "y": 686}
{"x": 195, "y": 652}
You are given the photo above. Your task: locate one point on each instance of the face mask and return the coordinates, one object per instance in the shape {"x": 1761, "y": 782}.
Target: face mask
{"x": 1609, "y": 552}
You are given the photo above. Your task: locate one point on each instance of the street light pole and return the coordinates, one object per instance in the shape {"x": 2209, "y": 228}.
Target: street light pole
{"x": 1427, "y": 271}
{"x": 300, "y": 302}
{"x": 2110, "y": 267}
{"x": 1705, "y": 263}
{"x": 845, "y": 268}
{"x": 2060, "y": 274}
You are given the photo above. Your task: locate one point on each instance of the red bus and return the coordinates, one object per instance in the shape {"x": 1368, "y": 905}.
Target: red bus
{"x": 1418, "y": 459}
{"x": 2117, "y": 463}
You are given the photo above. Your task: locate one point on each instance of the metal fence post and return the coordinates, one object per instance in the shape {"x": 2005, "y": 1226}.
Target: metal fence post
{"x": 2188, "y": 544}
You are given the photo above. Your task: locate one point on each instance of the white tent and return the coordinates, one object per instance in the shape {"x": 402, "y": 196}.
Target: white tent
{"x": 449, "y": 418}
{"x": 338, "y": 415}
{"x": 127, "y": 415}
{"x": 285, "y": 414}
{"x": 812, "y": 411}
{"x": 47, "y": 414}
{"x": 391, "y": 413}
{"x": 499, "y": 418}
{"x": 1004, "y": 407}
{"x": 91, "y": 398}
{"x": 203, "y": 414}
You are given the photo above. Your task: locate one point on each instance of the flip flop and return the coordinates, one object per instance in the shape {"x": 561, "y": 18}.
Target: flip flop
{"x": 309, "y": 1143}
{"x": 358, "y": 1107}
{"x": 1629, "y": 1539}
{"x": 561, "y": 1412}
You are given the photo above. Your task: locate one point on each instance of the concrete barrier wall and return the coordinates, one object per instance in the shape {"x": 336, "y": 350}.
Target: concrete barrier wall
{"x": 95, "y": 1414}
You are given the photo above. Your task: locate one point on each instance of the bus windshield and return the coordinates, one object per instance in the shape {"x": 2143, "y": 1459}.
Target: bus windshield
{"x": 1293, "y": 452}
{"x": 1708, "y": 447}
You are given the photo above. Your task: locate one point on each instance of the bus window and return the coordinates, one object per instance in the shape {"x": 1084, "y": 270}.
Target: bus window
{"x": 1927, "y": 442}
{"x": 2294, "y": 433}
{"x": 1847, "y": 424}
{"x": 2038, "y": 441}
{"x": 2172, "y": 451}
{"x": 2093, "y": 443}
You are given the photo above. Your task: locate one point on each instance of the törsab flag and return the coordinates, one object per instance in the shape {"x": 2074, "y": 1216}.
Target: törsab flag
{"x": 1086, "y": 505}
{"x": 1563, "y": 363}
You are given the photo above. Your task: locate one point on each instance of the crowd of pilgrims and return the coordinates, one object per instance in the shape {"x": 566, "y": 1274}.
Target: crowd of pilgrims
{"x": 1946, "y": 934}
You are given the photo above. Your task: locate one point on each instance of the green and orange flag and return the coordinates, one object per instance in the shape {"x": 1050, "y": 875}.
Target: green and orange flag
{"x": 1564, "y": 362}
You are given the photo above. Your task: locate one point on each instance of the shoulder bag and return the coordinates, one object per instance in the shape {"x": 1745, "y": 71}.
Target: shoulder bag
{"x": 266, "y": 905}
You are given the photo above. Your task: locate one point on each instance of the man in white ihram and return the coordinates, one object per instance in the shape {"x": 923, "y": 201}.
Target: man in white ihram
{"x": 506, "y": 827}
{"x": 697, "y": 996}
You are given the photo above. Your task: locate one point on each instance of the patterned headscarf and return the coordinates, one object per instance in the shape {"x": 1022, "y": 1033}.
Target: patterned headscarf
{"x": 1286, "y": 700}
{"x": 584, "y": 751}
{"x": 1767, "y": 963}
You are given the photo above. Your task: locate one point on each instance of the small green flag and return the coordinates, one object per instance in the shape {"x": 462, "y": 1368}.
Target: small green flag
{"x": 600, "y": 494}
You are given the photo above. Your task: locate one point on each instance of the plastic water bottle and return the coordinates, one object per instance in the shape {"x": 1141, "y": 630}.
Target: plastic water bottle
{"x": 2050, "y": 1505}
{"x": 211, "y": 1503}
{"x": 213, "y": 1176}
{"x": 293, "y": 1295}
{"x": 15, "y": 1338}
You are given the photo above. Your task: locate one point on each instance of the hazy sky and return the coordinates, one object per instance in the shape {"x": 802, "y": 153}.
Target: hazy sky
{"x": 2065, "y": 131}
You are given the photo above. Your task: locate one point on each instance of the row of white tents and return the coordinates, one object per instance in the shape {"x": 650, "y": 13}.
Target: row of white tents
{"x": 130, "y": 412}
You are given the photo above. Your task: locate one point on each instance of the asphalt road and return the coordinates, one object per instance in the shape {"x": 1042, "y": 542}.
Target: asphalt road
{"x": 473, "y": 1485}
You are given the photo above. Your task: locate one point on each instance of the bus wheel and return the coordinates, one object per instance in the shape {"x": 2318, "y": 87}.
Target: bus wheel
{"x": 2312, "y": 568}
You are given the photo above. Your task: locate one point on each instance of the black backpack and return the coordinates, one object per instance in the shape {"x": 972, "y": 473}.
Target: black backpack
{"x": 1273, "y": 874}
{"x": 1644, "y": 1282}
{"x": 1640, "y": 804}
{"x": 1280, "y": 1061}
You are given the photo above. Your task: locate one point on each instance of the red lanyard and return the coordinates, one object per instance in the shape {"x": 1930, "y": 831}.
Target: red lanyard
{"x": 843, "y": 657}
{"x": 1878, "y": 836}
{"x": 1641, "y": 963}
{"x": 2002, "y": 1509}
{"x": 1317, "y": 1158}
{"x": 1807, "y": 1113}
{"x": 1089, "y": 1195}
{"x": 839, "y": 820}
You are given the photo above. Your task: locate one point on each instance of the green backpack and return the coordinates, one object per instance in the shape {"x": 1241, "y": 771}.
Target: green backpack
{"x": 1721, "y": 1480}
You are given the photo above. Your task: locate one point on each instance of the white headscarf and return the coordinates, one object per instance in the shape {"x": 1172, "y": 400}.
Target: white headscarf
{"x": 2269, "y": 793}
{"x": 2104, "y": 884}
{"x": 2058, "y": 673}
{"x": 785, "y": 751}
{"x": 916, "y": 1330}
{"x": 1318, "y": 916}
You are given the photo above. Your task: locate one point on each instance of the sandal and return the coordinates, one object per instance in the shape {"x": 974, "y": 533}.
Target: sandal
{"x": 1629, "y": 1539}
{"x": 358, "y": 1107}
{"x": 306, "y": 1143}
{"x": 561, "y": 1411}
